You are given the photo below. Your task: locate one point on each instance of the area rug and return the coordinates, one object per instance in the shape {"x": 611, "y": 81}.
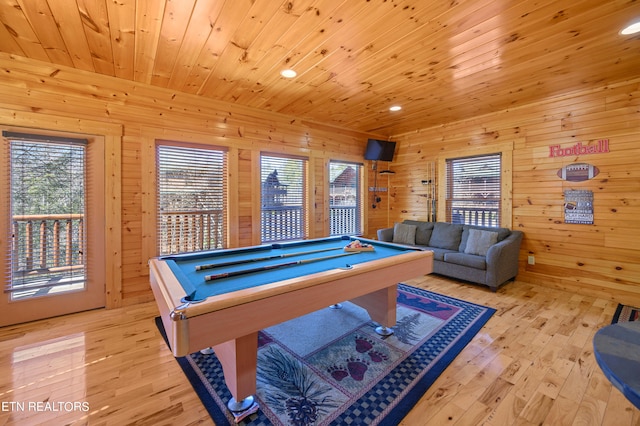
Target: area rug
{"x": 625, "y": 313}
{"x": 330, "y": 366}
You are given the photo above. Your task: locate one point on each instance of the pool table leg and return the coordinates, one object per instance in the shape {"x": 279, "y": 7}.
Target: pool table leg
{"x": 381, "y": 306}
{"x": 239, "y": 358}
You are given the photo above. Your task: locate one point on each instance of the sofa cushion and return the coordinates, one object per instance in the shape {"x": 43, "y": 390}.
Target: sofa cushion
{"x": 502, "y": 234}
{"x": 439, "y": 254}
{"x": 446, "y": 235}
{"x": 470, "y": 260}
{"x": 479, "y": 241}
{"x": 423, "y": 231}
{"x": 404, "y": 234}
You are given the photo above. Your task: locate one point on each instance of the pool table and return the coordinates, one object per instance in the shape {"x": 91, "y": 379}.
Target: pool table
{"x": 256, "y": 287}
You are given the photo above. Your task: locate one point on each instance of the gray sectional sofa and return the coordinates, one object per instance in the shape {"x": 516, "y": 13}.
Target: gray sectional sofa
{"x": 481, "y": 255}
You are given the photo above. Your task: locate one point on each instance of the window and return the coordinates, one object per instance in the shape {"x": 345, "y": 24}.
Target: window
{"x": 283, "y": 211}
{"x": 474, "y": 190}
{"x": 60, "y": 211}
{"x": 191, "y": 199}
{"x": 47, "y": 208}
{"x": 345, "y": 204}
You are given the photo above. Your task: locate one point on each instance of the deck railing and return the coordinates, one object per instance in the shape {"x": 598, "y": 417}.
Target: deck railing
{"x": 49, "y": 246}
{"x": 47, "y": 252}
{"x": 281, "y": 223}
{"x": 47, "y": 243}
{"x": 344, "y": 220}
{"x": 186, "y": 231}
{"x": 480, "y": 216}
{"x": 44, "y": 244}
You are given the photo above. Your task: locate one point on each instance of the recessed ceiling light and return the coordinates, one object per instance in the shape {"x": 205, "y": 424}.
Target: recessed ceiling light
{"x": 288, "y": 73}
{"x": 631, "y": 29}
{"x": 395, "y": 108}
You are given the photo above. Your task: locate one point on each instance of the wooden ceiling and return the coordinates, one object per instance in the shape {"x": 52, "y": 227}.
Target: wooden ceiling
{"x": 440, "y": 60}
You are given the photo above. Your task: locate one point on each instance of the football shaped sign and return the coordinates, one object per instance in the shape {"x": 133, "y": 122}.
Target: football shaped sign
{"x": 577, "y": 172}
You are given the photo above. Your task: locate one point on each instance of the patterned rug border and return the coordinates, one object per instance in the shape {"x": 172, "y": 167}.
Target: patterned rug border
{"x": 419, "y": 389}
{"x": 625, "y": 313}
{"x": 400, "y": 410}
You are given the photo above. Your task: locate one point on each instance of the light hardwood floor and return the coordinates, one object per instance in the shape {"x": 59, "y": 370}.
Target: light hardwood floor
{"x": 532, "y": 364}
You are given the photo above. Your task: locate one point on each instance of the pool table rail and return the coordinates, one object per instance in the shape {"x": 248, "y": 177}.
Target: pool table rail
{"x": 227, "y": 316}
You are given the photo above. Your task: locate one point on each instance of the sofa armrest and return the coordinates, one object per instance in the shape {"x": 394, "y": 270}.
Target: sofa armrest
{"x": 385, "y": 234}
{"x": 502, "y": 260}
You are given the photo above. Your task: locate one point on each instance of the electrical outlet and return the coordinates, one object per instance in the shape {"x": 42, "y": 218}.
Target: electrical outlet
{"x": 531, "y": 260}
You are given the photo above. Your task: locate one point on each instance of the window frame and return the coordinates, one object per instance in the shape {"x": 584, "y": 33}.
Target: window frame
{"x": 105, "y": 141}
{"x": 225, "y": 190}
{"x": 196, "y": 236}
{"x": 506, "y": 181}
{"x": 476, "y": 210}
{"x": 358, "y": 227}
{"x": 303, "y": 232}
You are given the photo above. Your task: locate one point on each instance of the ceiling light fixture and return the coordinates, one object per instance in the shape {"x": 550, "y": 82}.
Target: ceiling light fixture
{"x": 288, "y": 73}
{"x": 631, "y": 29}
{"x": 395, "y": 108}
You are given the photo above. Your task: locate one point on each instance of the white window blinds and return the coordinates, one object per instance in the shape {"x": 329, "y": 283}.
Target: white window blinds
{"x": 191, "y": 199}
{"x": 48, "y": 232}
{"x": 345, "y": 200}
{"x": 474, "y": 190}
{"x": 283, "y": 183}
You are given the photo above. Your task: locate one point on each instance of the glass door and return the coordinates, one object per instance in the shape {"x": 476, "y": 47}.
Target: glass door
{"x": 47, "y": 258}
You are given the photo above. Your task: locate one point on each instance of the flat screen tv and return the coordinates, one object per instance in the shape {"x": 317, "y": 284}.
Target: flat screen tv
{"x": 379, "y": 150}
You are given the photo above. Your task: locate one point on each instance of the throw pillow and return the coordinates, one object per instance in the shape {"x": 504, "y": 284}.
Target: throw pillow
{"x": 480, "y": 241}
{"x": 423, "y": 231}
{"x": 446, "y": 235}
{"x": 502, "y": 234}
{"x": 404, "y": 234}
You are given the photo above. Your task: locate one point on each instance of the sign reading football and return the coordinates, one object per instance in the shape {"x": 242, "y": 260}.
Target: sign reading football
{"x": 601, "y": 147}
{"x": 578, "y": 172}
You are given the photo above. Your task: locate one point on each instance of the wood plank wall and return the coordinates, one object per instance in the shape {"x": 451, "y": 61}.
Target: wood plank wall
{"x": 146, "y": 114}
{"x": 602, "y": 259}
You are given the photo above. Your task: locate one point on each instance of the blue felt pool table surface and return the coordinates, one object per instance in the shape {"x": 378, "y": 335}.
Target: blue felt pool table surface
{"x": 197, "y": 288}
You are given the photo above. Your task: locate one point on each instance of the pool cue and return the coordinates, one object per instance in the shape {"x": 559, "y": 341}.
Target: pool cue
{"x": 258, "y": 259}
{"x": 277, "y": 265}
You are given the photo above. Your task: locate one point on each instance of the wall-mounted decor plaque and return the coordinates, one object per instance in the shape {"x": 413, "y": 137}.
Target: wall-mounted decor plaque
{"x": 578, "y": 172}
{"x": 578, "y": 206}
